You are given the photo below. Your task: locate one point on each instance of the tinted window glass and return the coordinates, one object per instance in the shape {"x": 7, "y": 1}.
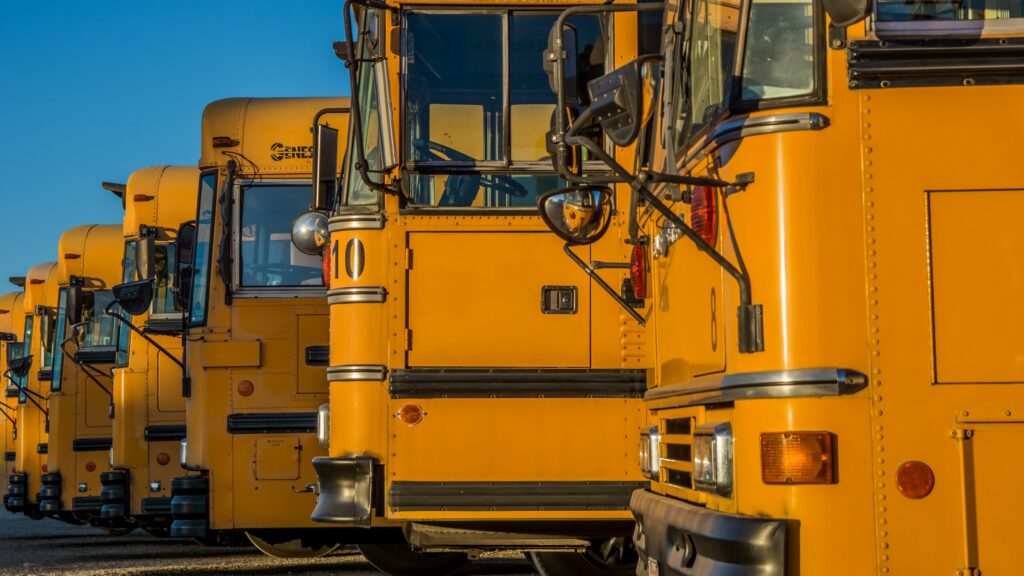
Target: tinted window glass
{"x": 267, "y": 256}
{"x": 58, "y": 340}
{"x": 779, "y": 53}
{"x": 99, "y": 327}
{"x": 203, "y": 252}
{"x": 948, "y": 10}
{"x": 711, "y": 59}
{"x": 165, "y": 263}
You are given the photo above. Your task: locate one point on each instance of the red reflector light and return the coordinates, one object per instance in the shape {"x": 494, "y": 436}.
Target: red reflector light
{"x": 638, "y": 272}
{"x": 704, "y": 213}
{"x": 915, "y": 479}
{"x": 797, "y": 458}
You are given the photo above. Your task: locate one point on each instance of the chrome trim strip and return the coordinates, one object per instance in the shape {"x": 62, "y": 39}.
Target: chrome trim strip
{"x": 359, "y": 295}
{"x": 771, "y": 384}
{"x": 740, "y": 128}
{"x": 341, "y": 222}
{"x": 357, "y": 372}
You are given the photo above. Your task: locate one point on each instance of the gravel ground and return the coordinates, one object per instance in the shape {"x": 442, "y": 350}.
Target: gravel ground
{"x": 37, "y": 547}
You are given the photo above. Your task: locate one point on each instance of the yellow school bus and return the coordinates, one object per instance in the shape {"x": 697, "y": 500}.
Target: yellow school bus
{"x": 838, "y": 383}
{"x": 30, "y": 365}
{"x": 149, "y": 422}
{"x": 256, "y": 332}
{"x": 483, "y": 393}
{"x": 81, "y": 401}
{"x": 9, "y": 302}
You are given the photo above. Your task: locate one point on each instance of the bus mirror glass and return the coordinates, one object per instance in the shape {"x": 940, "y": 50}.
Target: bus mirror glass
{"x": 134, "y": 297}
{"x": 570, "y": 76}
{"x": 20, "y": 365}
{"x": 310, "y": 233}
{"x": 846, "y": 12}
{"x": 578, "y": 215}
{"x": 185, "y": 247}
{"x": 144, "y": 248}
{"x": 325, "y": 166}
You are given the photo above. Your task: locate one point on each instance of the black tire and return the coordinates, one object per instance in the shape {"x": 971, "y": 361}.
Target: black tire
{"x": 117, "y": 530}
{"x": 615, "y": 557}
{"x": 398, "y": 559}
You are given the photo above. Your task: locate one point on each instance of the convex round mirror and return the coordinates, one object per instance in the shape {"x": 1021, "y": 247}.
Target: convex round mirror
{"x": 310, "y": 233}
{"x": 578, "y": 215}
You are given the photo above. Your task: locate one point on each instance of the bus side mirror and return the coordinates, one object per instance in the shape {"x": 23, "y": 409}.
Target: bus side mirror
{"x": 310, "y": 233}
{"x": 8, "y": 337}
{"x": 144, "y": 249}
{"x": 78, "y": 301}
{"x": 623, "y": 100}
{"x": 20, "y": 366}
{"x": 134, "y": 297}
{"x": 325, "y": 166}
{"x": 846, "y": 12}
{"x": 185, "y": 248}
{"x": 570, "y": 73}
{"x": 579, "y": 214}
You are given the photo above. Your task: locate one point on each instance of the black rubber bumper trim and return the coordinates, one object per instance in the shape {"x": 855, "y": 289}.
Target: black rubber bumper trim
{"x": 10, "y": 456}
{"x": 91, "y": 444}
{"x": 161, "y": 506}
{"x": 87, "y": 504}
{"x": 506, "y": 496}
{"x": 164, "y": 432}
{"x": 272, "y": 423}
{"x": 45, "y": 375}
{"x": 42, "y": 448}
{"x": 318, "y": 355}
{"x": 684, "y": 539}
{"x": 516, "y": 383}
{"x": 164, "y": 326}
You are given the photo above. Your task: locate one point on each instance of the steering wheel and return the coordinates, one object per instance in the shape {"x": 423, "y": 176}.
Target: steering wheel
{"x": 461, "y": 189}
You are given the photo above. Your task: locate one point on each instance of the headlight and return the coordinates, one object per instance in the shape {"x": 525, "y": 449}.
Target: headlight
{"x": 323, "y": 425}
{"x": 650, "y": 453}
{"x": 183, "y": 453}
{"x": 712, "y": 459}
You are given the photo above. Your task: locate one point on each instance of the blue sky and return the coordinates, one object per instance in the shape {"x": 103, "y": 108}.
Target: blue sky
{"x": 91, "y": 90}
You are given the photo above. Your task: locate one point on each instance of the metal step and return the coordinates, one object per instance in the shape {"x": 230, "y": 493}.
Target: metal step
{"x": 433, "y": 538}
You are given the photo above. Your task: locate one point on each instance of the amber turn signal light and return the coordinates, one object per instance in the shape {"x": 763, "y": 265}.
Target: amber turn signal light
{"x": 797, "y": 457}
{"x": 915, "y": 479}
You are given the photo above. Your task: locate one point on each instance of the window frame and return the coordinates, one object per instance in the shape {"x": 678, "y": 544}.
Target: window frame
{"x": 98, "y": 311}
{"x": 507, "y": 166}
{"x": 237, "y": 289}
{"x": 164, "y": 315}
{"x": 190, "y": 322}
{"x": 734, "y": 105}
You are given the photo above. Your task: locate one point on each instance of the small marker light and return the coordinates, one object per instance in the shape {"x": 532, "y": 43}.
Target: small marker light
{"x": 71, "y": 256}
{"x": 224, "y": 142}
{"x": 163, "y": 459}
{"x": 411, "y": 414}
{"x": 915, "y": 479}
{"x": 326, "y": 267}
{"x": 797, "y": 458}
{"x": 90, "y": 466}
{"x": 142, "y": 197}
{"x": 246, "y": 388}
{"x": 704, "y": 213}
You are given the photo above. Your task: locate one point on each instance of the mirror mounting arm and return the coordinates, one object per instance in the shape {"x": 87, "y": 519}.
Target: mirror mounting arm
{"x": 28, "y": 394}
{"x": 592, "y": 272}
{"x": 125, "y": 321}
{"x": 86, "y": 369}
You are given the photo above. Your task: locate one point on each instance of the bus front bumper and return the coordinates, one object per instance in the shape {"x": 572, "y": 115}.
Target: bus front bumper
{"x": 674, "y": 538}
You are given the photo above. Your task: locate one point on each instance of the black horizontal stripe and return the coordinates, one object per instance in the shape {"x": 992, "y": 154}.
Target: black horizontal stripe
{"x": 516, "y": 383}
{"x": 272, "y": 423}
{"x": 91, "y": 444}
{"x": 164, "y": 432}
{"x": 503, "y": 496}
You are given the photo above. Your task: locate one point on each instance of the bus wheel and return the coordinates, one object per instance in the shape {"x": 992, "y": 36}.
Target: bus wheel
{"x": 117, "y": 530}
{"x": 614, "y": 557}
{"x": 290, "y": 548}
{"x": 397, "y": 559}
